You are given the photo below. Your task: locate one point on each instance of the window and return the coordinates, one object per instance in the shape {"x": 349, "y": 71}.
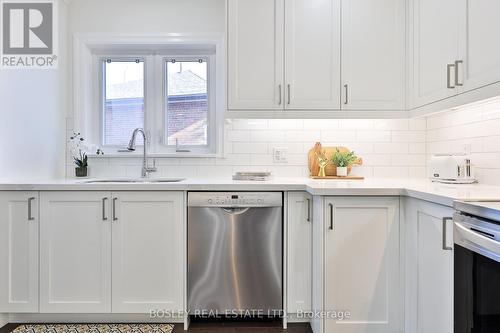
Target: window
{"x": 186, "y": 102}
{"x": 123, "y": 102}
{"x": 171, "y": 96}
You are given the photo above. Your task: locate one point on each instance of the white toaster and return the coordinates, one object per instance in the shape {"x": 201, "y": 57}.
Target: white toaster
{"x": 456, "y": 169}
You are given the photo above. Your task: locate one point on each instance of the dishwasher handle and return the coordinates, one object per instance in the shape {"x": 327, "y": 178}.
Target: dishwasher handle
{"x": 235, "y": 210}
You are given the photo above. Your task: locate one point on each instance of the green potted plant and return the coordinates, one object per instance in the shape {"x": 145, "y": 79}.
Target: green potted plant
{"x": 343, "y": 160}
{"x": 79, "y": 154}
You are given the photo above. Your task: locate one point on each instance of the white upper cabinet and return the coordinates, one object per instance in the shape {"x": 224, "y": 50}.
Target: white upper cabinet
{"x": 299, "y": 228}
{"x": 362, "y": 264}
{"x": 435, "y": 50}
{"x": 479, "y": 60}
{"x": 255, "y": 54}
{"x": 148, "y": 242}
{"x": 18, "y": 252}
{"x": 75, "y": 252}
{"x": 312, "y": 54}
{"x": 429, "y": 267}
{"x": 373, "y": 54}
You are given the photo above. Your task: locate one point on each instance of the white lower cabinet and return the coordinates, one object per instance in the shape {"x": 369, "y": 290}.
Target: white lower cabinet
{"x": 75, "y": 252}
{"x": 429, "y": 267}
{"x": 18, "y": 251}
{"x": 362, "y": 264}
{"x": 147, "y": 252}
{"x": 103, "y": 252}
{"x": 299, "y": 252}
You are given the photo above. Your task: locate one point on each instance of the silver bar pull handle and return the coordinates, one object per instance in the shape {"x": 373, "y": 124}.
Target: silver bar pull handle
{"x": 308, "y": 210}
{"x": 457, "y": 67}
{"x": 445, "y": 224}
{"x": 114, "y": 209}
{"x": 104, "y": 215}
{"x": 346, "y": 88}
{"x": 448, "y": 76}
{"x": 279, "y": 95}
{"x": 288, "y": 93}
{"x": 331, "y": 216}
{"x": 30, "y": 209}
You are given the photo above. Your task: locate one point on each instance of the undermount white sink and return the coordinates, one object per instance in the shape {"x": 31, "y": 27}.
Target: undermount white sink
{"x": 135, "y": 180}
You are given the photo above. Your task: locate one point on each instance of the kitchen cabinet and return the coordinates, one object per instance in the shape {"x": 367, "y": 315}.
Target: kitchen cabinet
{"x": 286, "y": 55}
{"x": 479, "y": 58}
{"x": 19, "y": 225}
{"x": 456, "y": 57}
{"x": 103, "y": 252}
{"x": 255, "y": 31}
{"x": 75, "y": 252}
{"x": 362, "y": 264}
{"x": 312, "y": 54}
{"x": 435, "y": 50}
{"x": 429, "y": 267}
{"x": 278, "y": 60}
{"x": 299, "y": 256}
{"x": 373, "y": 54}
{"x": 147, "y": 237}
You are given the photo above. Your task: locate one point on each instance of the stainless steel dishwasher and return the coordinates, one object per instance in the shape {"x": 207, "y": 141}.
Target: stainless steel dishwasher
{"x": 235, "y": 252}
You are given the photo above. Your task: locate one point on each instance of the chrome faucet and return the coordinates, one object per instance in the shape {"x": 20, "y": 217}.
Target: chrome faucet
{"x": 146, "y": 170}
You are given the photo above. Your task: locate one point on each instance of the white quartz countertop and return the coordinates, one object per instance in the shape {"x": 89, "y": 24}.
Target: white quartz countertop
{"x": 423, "y": 189}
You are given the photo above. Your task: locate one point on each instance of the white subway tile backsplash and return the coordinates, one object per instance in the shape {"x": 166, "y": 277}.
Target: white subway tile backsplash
{"x": 238, "y": 136}
{"x": 373, "y": 136}
{"x": 267, "y": 136}
{"x": 305, "y": 136}
{"x": 391, "y": 124}
{"x": 473, "y": 129}
{"x": 249, "y": 145}
{"x": 391, "y": 147}
{"x": 408, "y": 136}
{"x": 250, "y": 148}
{"x": 336, "y": 136}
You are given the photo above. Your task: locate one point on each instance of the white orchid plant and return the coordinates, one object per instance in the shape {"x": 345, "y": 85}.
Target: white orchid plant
{"x": 79, "y": 150}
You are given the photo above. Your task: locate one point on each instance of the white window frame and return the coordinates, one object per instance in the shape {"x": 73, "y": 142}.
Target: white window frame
{"x": 87, "y": 90}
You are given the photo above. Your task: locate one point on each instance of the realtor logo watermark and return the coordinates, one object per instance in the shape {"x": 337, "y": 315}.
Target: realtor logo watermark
{"x": 28, "y": 34}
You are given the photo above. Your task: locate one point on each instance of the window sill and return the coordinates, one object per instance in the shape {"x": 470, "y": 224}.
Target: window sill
{"x": 152, "y": 155}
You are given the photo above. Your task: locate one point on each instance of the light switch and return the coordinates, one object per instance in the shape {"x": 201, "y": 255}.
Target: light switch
{"x": 280, "y": 155}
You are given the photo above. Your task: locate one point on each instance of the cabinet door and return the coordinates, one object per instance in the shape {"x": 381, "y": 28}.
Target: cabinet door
{"x": 312, "y": 54}
{"x": 299, "y": 252}
{"x": 479, "y": 47}
{"x": 148, "y": 242}
{"x": 362, "y": 264}
{"x": 75, "y": 252}
{"x": 255, "y": 54}
{"x": 435, "y": 47}
{"x": 18, "y": 252}
{"x": 373, "y": 54}
{"x": 429, "y": 267}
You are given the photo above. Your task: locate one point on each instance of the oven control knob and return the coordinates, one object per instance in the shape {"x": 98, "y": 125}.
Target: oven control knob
{"x": 210, "y": 201}
{"x": 259, "y": 201}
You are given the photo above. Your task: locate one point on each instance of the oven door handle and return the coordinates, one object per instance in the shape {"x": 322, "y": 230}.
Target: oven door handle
{"x": 476, "y": 242}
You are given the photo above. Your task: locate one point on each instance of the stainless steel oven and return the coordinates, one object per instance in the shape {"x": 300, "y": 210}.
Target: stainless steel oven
{"x": 477, "y": 267}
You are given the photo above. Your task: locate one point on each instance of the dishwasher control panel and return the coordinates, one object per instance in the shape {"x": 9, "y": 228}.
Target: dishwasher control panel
{"x": 235, "y": 199}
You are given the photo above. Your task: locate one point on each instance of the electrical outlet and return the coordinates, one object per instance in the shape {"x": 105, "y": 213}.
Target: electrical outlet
{"x": 280, "y": 155}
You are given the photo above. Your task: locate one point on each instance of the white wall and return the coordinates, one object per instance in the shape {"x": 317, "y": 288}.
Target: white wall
{"x": 32, "y": 107}
{"x": 147, "y": 16}
{"x": 473, "y": 129}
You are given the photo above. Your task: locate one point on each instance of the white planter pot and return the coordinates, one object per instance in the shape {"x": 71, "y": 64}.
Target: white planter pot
{"x": 341, "y": 171}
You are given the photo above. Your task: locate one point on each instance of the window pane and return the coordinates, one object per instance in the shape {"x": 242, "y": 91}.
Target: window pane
{"x": 187, "y": 103}
{"x": 123, "y": 102}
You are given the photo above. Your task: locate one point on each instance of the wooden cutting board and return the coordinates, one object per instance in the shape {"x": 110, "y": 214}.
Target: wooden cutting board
{"x": 330, "y": 170}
